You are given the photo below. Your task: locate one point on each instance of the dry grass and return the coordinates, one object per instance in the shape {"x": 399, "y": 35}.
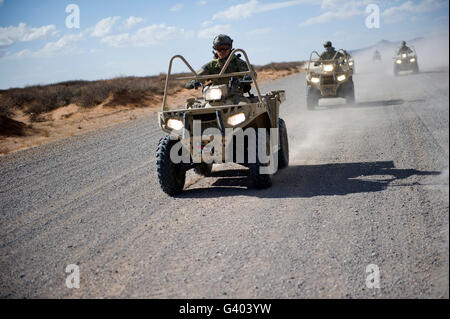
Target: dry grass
{"x": 35, "y": 100}
{"x": 280, "y": 66}
{"x": 133, "y": 91}
{"x": 38, "y": 114}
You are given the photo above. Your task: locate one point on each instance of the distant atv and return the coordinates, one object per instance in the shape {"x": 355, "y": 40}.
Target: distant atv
{"x": 329, "y": 79}
{"x": 225, "y": 109}
{"x": 406, "y": 62}
{"x": 377, "y": 56}
{"x": 351, "y": 62}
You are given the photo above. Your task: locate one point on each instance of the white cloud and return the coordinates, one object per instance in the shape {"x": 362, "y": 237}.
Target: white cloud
{"x": 117, "y": 40}
{"x": 259, "y": 31}
{"x": 145, "y": 37}
{"x": 132, "y": 21}
{"x": 22, "y": 33}
{"x": 201, "y": 3}
{"x": 104, "y": 26}
{"x": 177, "y": 7}
{"x": 206, "y": 23}
{"x": 246, "y": 10}
{"x": 211, "y": 32}
{"x": 23, "y": 53}
{"x": 64, "y": 45}
{"x": 344, "y": 9}
{"x": 1, "y": 3}
{"x": 240, "y": 11}
{"x": 331, "y": 15}
{"x": 408, "y": 8}
{"x": 338, "y": 10}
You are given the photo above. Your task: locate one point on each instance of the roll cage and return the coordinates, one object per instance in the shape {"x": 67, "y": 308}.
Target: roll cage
{"x": 330, "y": 61}
{"x": 222, "y": 74}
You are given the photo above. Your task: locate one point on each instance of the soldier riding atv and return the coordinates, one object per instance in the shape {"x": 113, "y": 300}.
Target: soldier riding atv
{"x": 406, "y": 59}
{"x": 351, "y": 61}
{"x": 377, "y": 56}
{"x": 210, "y": 129}
{"x": 329, "y": 76}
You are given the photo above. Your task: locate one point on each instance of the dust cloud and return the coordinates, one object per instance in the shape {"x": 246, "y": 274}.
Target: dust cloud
{"x": 375, "y": 85}
{"x": 432, "y": 53}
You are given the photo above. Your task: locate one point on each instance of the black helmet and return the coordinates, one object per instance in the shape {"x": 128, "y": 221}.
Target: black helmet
{"x": 403, "y": 43}
{"x": 222, "y": 39}
{"x": 327, "y": 44}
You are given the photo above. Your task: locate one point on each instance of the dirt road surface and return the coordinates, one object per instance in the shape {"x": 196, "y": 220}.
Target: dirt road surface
{"x": 367, "y": 185}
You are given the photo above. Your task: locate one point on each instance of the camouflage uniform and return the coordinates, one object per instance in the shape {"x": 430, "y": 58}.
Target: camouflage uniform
{"x": 215, "y": 66}
{"x": 404, "y": 49}
{"x": 329, "y": 53}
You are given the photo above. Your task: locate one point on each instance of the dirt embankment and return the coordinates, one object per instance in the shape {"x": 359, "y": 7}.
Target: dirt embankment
{"x": 34, "y": 122}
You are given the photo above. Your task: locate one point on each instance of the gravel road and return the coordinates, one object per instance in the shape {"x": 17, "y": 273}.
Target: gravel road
{"x": 367, "y": 185}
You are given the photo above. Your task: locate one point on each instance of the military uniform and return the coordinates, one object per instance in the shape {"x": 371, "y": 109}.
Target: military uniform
{"x": 329, "y": 54}
{"x": 404, "y": 49}
{"x": 216, "y": 65}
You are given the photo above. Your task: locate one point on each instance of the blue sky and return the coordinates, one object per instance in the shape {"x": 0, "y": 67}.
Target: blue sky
{"x": 137, "y": 37}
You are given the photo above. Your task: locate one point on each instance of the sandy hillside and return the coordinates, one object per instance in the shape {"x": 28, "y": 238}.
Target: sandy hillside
{"x": 72, "y": 119}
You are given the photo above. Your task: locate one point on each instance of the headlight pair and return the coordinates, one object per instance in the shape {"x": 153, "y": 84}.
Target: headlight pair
{"x": 233, "y": 120}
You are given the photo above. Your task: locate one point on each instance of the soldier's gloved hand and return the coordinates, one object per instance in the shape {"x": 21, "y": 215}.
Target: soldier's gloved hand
{"x": 192, "y": 85}
{"x": 247, "y": 78}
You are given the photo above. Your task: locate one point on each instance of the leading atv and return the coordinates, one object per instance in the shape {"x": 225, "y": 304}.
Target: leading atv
{"x": 406, "y": 61}
{"x": 222, "y": 125}
{"x": 329, "y": 78}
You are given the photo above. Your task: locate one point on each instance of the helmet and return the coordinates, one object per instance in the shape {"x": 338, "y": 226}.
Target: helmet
{"x": 327, "y": 44}
{"x": 403, "y": 43}
{"x": 222, "y": 39}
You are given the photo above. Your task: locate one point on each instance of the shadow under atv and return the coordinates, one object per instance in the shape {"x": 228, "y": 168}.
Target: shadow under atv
{"x": 311, "y": 180}
{"x": 380, "y": 103}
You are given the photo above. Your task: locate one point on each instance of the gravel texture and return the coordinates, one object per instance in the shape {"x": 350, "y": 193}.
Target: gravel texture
{"x": 367, "y": 184}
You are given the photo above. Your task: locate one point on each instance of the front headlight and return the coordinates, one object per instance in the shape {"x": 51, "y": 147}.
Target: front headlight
{"x": 328, "y": 67}
{"x": 398, "y": 61}
{"x": 341, "y": 77}
{"x": 213, "y": 94}
{"x": 315, "y": 80}
{"x": 412, "y": 60}
{"x": 174, "y": 124}
{"x": 404, "y": 55}
{"x": 350, "y": 63}
{"x": 236, "y": 119}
